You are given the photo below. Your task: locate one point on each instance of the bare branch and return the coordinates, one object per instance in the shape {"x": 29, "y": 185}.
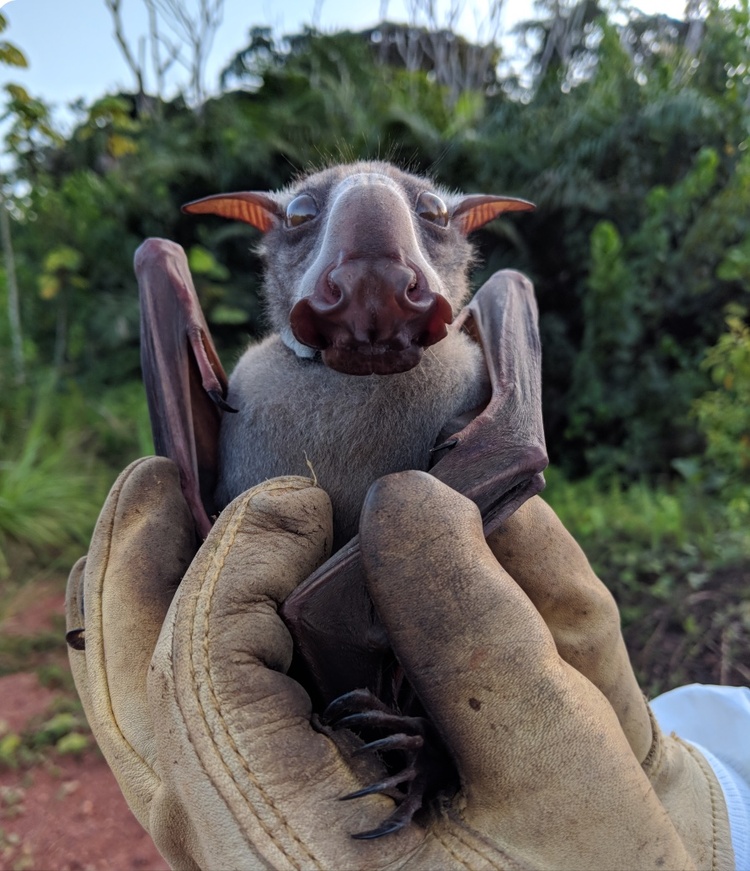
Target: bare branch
{"x": 114, "y": 7}
{"x": 456, "y": 63}
{"x": 317, "y": 13}
{"x": 196, "y": 31}
{"x": 192, "y": 26}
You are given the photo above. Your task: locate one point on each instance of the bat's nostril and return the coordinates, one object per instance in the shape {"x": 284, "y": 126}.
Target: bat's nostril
{"x": 334, "y": 290}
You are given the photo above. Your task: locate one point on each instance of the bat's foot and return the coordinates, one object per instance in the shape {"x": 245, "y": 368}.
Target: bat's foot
{"x": 418, "y": 766}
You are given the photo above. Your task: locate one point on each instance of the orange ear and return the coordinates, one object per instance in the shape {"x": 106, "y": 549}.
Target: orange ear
{"x": 476, "y": 210}
{"x": 252, "y": 207}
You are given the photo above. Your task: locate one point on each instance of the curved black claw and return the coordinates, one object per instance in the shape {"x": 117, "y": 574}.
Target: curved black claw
{"x": 385, "y": 785}
{"x": 417, "y": 764}
{"x": 353, "y": 702}
{"x": 398, "y": 820}
{"x": 380, "y": 720}
{"x": 392, "y": 742}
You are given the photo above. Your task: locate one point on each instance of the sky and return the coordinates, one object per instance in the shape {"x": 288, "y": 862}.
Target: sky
{"x": 72, "y": 52}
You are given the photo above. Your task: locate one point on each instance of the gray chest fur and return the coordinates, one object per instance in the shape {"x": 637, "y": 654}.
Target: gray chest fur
{"x": 351, "y": 429}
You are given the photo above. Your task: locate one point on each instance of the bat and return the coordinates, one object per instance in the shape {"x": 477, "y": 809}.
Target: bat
{"x": 372, "y": 367}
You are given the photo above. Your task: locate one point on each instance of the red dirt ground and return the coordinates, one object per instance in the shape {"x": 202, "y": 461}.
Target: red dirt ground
{"x": 65, "y": 813}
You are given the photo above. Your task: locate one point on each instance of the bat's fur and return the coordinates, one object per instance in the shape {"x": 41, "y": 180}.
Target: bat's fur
{"x": 352, "y": 429}
{"x": 293, "y": 410}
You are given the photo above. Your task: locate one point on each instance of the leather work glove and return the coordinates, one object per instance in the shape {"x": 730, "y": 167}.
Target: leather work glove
{"x": 515, "y": 653}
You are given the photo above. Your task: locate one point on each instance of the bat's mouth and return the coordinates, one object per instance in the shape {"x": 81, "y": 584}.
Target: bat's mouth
{"x": 371, "y": 359}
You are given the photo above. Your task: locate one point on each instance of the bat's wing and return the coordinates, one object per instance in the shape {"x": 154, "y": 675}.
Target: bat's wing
{"x": 497, "y": 460}
{"x": 184, "y": 380}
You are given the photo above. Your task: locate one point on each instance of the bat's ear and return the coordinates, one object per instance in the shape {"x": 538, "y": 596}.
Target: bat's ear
{"x": 252, "y": 207}
{"x": 474, "y": 211}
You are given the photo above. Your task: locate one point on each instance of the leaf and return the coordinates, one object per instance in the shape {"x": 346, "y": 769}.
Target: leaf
{"x": 120, "y": 146}
{"x": 72, "y": 744}
{"x": 736, "y": 264}
{"x": 56, "y": 727}
{"x": 12, "y": 56}
{"x": 49, "y": 286}
{"x": 8, "y": 747}
{"x": 63, "y": 258}
{"x": 16, "y": 92}
{"x": 227, "y": 314}
{"x": 203, "y": 262}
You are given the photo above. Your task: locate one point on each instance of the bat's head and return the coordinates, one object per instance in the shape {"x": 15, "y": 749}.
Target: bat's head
{"x": 365, "y": 264}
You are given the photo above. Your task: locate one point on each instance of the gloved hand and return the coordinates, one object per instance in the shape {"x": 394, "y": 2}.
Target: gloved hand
{"x": 521, "y": 667}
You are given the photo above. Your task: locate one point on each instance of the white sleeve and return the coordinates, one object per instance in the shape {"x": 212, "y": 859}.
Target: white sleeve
{"x": 717, "y": 721}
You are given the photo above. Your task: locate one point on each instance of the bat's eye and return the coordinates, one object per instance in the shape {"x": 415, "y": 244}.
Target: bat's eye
{"x": 301, "y": 209}
{"x": 432, "y": 209}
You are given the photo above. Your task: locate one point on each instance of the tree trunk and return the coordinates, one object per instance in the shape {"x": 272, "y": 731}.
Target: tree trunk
{"x": 14, "y": 311}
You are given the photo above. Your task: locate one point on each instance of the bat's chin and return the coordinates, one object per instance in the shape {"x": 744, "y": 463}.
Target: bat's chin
{"x": 372, "y": 359}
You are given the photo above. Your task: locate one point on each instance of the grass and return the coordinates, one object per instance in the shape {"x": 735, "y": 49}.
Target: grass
{"x": 61, "y": 453}
{"x": 48, "y": 485}
{"x": 62, "y": 730}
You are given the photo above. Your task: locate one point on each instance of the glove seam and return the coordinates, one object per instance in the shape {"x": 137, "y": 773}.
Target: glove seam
{"x": 653, "y": 759}
{"x": 705, "y": 769}
{"x": 458, "y": 832}
{"x": 218, "y": 564}
{"x": 100, "y": 592}
{"x": 441, "y": 839}
{"x": 652, "y": 765}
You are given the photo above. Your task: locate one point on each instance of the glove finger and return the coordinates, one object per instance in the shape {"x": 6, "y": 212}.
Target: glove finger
{"x": 526, "y": 730}
{"x": 424, "y": 555}
{"x": 142, "y": 544}
{"x": 242, "y": 723}
{"x": 547, "y": 563}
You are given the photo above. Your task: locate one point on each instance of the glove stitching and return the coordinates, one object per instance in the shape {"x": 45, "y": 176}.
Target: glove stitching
{"x": 705, "y": 768}
{"x": 653, "y": 759}
{"x": 218, "y": 564}
{"x": 458, "y": 831}
{"x": 442, "y": 840}
{"x": 101, "y": 580}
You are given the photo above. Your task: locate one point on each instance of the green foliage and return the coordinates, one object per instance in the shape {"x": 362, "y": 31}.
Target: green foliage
{"x": 54, "y": 676}
{"x": 53, "y": 473}
{"x": 724, "y": 416}
{"x": 117, "y": 423}
{"x": 64, "y": 730}
{"x": 642, "y": 338}
{"x": 72, "y": 744}
{"x": 110, "y": 127}
{"x": 52, "y": 730}
{"x": 11, "y": 56}
{"x": 31, "y": 130}
{"x": 19, "y": 652}
{"x": 9, "y": 746}
{"x": 645, "y": 540}
{"x": 678, "y": 568}
{"x": 605, "y": 513}
{"x": 632, "y": 137}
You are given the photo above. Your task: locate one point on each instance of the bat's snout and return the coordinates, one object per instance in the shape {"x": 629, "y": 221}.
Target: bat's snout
{"x": 371, "y": 316}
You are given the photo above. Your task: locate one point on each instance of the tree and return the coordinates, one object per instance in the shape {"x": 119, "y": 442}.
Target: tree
{"x": 192, "y": 34}
{"x": 11, "y": 55}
